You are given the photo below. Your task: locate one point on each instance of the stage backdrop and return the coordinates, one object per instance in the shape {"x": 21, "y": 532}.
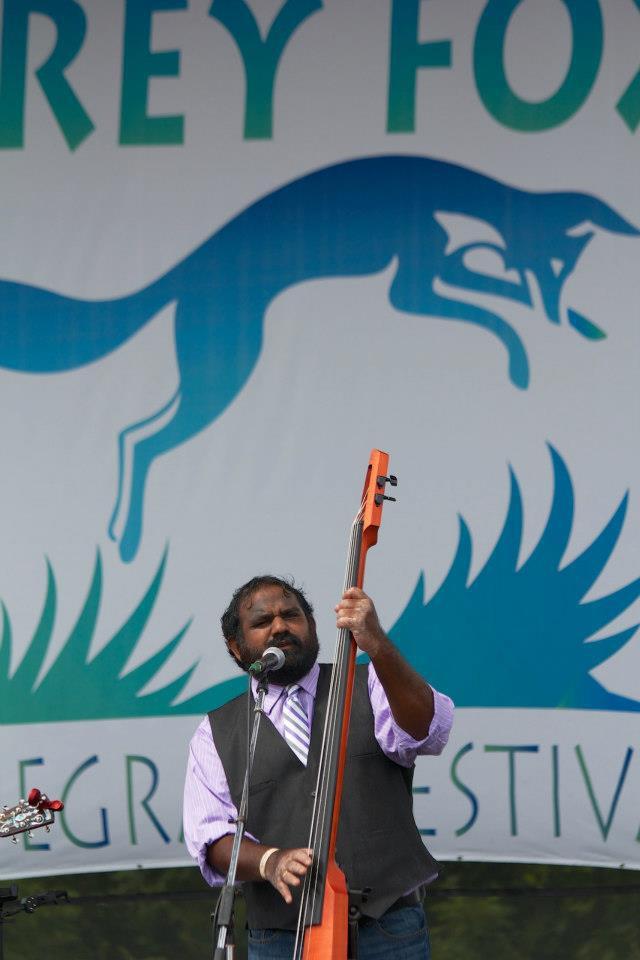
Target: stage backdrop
{"x": 244, "y": 242}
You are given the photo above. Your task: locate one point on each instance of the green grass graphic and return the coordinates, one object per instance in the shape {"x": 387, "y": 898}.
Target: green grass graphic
{"x": 76, "y": 688}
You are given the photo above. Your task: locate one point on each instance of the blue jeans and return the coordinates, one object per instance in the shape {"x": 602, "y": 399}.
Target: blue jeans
{"x": 398, "y": 935}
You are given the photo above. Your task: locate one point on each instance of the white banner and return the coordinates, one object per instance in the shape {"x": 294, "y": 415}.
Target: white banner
{"x": 244, "y": 243}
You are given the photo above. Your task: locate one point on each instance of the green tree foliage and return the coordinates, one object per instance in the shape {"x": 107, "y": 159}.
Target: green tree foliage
{"x": 537, "y": 913}
{"x": 540, "y": 912}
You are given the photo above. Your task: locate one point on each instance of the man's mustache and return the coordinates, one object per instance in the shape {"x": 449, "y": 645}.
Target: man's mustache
{"x": 286, "y": 638}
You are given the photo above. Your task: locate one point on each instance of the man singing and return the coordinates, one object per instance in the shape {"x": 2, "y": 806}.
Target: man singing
{"x": 395, "y": 717}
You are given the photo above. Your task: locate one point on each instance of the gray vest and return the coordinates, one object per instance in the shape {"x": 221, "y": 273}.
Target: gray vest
{"x": 379, "y": 846}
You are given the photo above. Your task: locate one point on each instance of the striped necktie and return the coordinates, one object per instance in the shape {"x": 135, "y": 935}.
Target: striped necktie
{"x": 296, "y": 724}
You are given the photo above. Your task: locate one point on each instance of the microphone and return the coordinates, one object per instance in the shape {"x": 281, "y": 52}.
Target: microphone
{"x": 272, "y": 659}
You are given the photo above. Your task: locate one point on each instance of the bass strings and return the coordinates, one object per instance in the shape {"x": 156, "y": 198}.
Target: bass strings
{"x": 321, "y": 798}
{"x": 310, "y": 891}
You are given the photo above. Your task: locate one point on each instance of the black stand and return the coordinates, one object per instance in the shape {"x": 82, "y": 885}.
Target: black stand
{"x": 11, "y": 905}
{"x": 223, "y": 946}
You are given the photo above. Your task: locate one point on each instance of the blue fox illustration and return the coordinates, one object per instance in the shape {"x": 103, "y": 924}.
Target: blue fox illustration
{"x": 350, "y": 219}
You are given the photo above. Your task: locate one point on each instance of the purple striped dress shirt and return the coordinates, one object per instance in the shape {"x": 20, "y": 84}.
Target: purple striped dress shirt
{"x": 208, "y": 810}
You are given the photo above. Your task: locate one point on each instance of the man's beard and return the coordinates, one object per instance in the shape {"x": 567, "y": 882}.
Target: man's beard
{"x": 299, "y": 657}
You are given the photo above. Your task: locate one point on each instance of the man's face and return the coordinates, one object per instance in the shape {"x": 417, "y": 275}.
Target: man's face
{"x": 273, "y": 618}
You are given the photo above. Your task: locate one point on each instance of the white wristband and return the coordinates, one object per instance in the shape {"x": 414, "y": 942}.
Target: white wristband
{"x": 263, "y": 861}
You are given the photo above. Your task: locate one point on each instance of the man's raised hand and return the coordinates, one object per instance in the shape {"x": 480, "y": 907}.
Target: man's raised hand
{"x": 355, "y": 612}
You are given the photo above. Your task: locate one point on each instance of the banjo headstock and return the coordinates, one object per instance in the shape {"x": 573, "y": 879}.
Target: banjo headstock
{"x": 26, "y": 815}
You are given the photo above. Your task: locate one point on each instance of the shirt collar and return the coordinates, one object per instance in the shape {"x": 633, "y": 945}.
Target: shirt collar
{"x": 309, "y": 684}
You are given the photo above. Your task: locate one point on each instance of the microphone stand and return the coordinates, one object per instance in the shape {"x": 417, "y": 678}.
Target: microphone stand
{"x": 223, "y": 945}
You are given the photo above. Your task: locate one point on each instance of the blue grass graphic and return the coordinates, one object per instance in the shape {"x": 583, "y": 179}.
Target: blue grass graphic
{"x": 519, "y": 637}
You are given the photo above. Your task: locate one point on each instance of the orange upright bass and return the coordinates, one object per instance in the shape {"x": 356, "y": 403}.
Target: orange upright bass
{"x": 323, "y": 920}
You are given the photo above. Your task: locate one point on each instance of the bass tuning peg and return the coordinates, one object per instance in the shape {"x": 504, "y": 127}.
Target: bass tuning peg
{"x": 391, "y": 479}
